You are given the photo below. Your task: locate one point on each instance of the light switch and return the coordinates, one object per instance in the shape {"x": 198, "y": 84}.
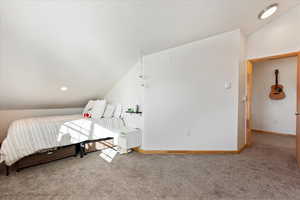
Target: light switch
{"x": 227, "y": 85}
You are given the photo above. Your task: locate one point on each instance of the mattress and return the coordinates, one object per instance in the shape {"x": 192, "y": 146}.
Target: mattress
{"x": 28, "y": 136}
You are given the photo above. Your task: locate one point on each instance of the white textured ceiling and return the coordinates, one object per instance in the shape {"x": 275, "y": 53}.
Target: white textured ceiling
{"x": 88, "y": 45}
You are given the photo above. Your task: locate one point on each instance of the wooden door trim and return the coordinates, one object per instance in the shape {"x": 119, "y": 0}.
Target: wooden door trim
{"x": 249, "y": 66}
{"x": 275, "y": 57}
{"x": 298, "y": 111}
{"x": 249, "y": 70}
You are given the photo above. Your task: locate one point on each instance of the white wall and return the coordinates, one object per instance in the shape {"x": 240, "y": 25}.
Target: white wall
{"x": 273, "y": 115}
{"x": 186, "y": 104}
{"x": 129, "y": 92}
{"x": 278, "y": 37}
{"x": 7, "y": 116}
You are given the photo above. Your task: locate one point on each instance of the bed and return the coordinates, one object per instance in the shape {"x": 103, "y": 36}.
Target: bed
{"x": 34, "y": 136}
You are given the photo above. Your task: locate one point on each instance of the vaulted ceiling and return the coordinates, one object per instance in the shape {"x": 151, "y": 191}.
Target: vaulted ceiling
{"x": 87, "y": 45}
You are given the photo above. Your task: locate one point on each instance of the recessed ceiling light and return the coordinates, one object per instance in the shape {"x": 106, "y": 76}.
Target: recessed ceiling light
{"x": 268, "y": 12}
{"x": 63, "y": 88}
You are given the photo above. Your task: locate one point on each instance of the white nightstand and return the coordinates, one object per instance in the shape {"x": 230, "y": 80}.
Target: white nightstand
{"x": 127, "y": 139}
{"x": 133, "y": 120}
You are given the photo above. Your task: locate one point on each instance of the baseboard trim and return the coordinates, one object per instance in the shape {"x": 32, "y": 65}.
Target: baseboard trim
{"x": 271, "y": 132}
{"x": 188, "y": 152}
{"x": 243, "y": 148}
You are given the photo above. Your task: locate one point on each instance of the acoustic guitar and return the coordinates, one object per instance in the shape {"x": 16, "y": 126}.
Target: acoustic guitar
{"x": 277, "y": 92}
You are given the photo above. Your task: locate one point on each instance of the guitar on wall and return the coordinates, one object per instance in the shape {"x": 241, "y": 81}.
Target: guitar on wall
{"x": 277, "y": 92}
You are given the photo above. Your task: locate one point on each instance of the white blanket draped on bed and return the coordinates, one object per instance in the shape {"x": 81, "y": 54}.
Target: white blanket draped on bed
{"x": 28, "y": 136}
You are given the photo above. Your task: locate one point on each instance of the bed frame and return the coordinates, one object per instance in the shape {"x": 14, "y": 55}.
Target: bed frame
{"x": 81, "y": 148}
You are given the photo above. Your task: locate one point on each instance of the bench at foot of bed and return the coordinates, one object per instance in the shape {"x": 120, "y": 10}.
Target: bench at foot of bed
{"x": 7, "y": 170}
{"x": 63, "y": 152}
{"x": 42, "y": 158}
{"x": 94, "y": 145}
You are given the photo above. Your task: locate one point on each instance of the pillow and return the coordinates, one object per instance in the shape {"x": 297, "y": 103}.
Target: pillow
{"x": 109, "y": 111}
{"x": 98, "y": 109}
{"x": 118, "y": 111}
{"x": 88, "y": 107}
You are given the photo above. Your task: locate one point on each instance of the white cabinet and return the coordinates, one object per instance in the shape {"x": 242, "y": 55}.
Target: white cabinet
{"x": 134, "y": 120}
{"x": 128, "y": 139}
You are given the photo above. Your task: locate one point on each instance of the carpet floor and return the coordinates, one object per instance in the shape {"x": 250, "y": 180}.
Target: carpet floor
{"x": 265, "y": 171}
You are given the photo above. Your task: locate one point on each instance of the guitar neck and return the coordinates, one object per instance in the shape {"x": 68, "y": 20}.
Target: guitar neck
{"x": 276, "y": 74}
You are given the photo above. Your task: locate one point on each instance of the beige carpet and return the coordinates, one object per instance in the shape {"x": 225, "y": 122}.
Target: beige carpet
{"x": 266, "y": 171}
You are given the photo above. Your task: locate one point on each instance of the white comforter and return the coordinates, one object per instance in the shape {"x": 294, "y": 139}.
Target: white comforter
{"x": 29, "y": 136}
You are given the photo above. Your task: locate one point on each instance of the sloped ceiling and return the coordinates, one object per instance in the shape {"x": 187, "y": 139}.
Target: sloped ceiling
{"x": 87, "y": 45}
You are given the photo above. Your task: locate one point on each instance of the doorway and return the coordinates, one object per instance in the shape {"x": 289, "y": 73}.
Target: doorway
{"x": 249, "y": 115}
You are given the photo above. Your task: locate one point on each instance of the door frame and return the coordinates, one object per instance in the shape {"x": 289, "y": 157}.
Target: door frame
{"x": 249, "y": 95}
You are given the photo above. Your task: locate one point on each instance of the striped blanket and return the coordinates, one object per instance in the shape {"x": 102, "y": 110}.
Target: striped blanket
{"x": 28, "y": 136}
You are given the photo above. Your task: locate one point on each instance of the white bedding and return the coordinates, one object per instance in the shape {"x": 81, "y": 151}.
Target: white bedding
{"x": 29, "y": 136}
